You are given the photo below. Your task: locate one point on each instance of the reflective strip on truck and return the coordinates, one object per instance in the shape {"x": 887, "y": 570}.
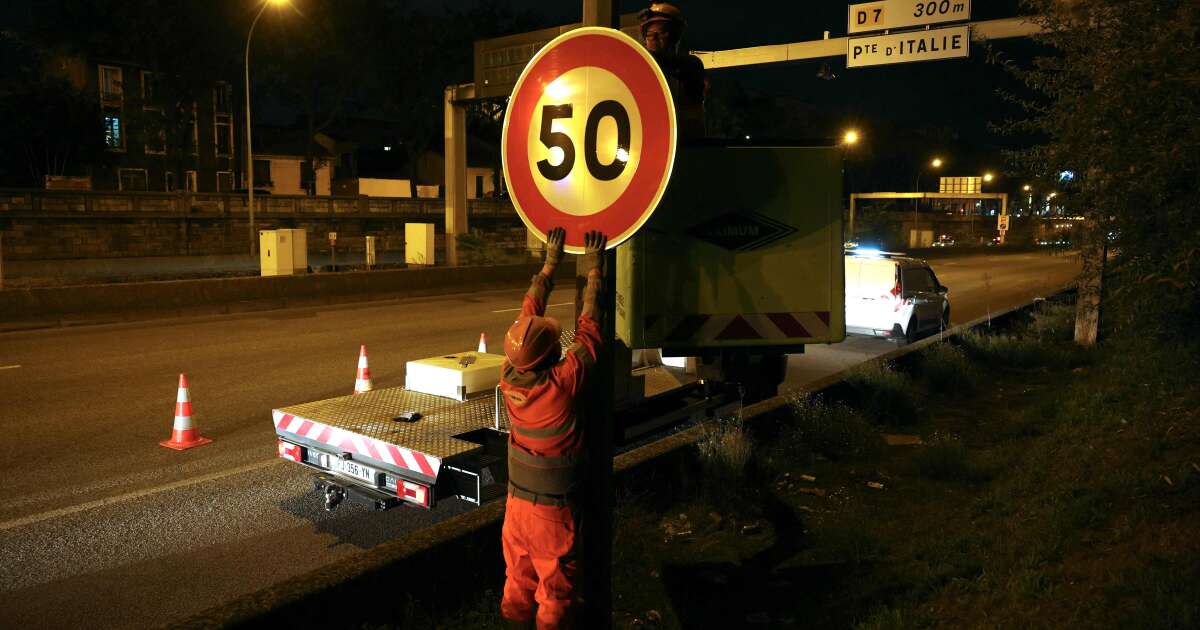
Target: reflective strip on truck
{"x": 343, "y": 440}
{"x": 701, "y": 328}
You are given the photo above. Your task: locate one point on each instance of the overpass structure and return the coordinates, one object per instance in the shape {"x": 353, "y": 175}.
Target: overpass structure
{"x": 854, "y": 197}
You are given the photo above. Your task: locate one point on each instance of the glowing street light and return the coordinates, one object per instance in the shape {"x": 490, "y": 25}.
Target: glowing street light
{"x": 850, "y": 137}
{"x": 936, "y": 163}
{"x": 987, "y": 177}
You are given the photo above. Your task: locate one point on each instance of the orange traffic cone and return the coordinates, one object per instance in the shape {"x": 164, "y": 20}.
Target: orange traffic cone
{"x": 363, "y": 382}
{"x": 482, "y": 343}
{"x": 185, "y": 435}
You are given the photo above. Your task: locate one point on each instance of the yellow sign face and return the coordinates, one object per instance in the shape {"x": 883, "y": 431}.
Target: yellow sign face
{"x": 611, "y": 130}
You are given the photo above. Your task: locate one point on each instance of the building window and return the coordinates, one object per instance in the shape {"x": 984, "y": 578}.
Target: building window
{"x": 169, "y": 184}
{"x": 111, "y": 85}
{"x": 224, "y": 181}
{"x": 195, "y": 131}
{"x": 132, "y": 178}
{"x": 114, "y": 136}
{"x": 223, "y": 98}
{"x": 262, "y": 173}
{"x": 479, "y": 186}
{"x": 308, "y": 177}
{"x": 191, "y": 181}
{"x": 223, "y": 128}
{"x": 150, "y": 90}
{"x": 155, "y": 129}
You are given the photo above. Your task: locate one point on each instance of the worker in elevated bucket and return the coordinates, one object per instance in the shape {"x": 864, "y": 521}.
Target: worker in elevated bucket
{"x": 662, "y": 26}
{"x": 540, "y": 384}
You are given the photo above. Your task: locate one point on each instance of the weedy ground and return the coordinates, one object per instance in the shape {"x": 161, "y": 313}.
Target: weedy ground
{"x": 1001, "y": 480}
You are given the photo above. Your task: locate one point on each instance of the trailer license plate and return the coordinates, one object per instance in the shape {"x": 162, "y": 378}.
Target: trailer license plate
{"x": 354, "y": 469}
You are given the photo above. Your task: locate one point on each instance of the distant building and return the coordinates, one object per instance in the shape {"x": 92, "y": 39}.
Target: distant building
{"x": 281, "y": 165}
{"x": 148, "y": 156}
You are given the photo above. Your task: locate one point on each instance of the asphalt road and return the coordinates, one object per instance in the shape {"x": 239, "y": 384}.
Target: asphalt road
{"x": 102, "y": 527}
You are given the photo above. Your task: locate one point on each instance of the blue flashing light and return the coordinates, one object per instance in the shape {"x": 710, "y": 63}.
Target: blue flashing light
{"x": 1066, "y": 176}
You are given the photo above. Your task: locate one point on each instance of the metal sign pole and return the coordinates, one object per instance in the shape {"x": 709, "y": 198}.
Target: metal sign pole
{"x": 597, "y": 533}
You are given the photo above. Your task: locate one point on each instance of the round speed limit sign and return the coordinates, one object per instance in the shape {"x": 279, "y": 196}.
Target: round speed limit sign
{"x": 589, "y": 137}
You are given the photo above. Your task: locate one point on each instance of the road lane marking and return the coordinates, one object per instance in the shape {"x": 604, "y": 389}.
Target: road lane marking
{"x": 183, "y": 483}
{"x": 9, "y": 367}
{"x": 513, "y": 310}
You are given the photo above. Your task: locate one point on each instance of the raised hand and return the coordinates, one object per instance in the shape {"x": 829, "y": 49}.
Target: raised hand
{"x": 554, "y": 248}
{"x": 593, "y": 246}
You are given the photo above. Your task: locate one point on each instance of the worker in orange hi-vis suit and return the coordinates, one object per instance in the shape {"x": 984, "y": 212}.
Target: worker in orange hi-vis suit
{"x": 540, "y": 385}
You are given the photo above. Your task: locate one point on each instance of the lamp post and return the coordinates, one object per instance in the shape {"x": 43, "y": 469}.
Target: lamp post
{"x": 934, "y": 163}
{"x": 849, "y": 139}
{"x": 249, "y": 150}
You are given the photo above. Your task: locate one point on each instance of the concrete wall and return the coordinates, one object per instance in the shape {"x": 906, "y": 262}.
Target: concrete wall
{"x": 41, "y": 225}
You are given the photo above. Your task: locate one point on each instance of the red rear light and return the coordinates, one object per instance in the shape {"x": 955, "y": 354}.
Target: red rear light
{"x": 413, "y": 493}
{"x": 895, "y": 293}
{"x": 293, "y": 452}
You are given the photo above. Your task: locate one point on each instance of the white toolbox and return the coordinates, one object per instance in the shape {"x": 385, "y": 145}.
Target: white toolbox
{"x": 458, "y": 376}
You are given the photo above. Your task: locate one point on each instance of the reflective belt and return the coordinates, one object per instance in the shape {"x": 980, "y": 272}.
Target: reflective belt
{"x": 540, "y": 499}
{"x": 541, "y": 434}
{"x": 541, "y": 475}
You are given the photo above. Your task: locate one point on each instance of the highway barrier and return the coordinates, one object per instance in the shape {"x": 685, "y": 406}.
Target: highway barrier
{"x": 106, "y": 303}
{"x": 454, "y": 560}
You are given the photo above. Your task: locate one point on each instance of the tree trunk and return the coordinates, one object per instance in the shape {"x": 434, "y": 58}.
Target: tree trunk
{"x": 1091, "y": 283}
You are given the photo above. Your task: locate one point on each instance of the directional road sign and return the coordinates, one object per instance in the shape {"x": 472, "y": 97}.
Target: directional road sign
{"x": 938, "y": 43}
{"x": 889, "y": 14}
{"x": 589, "y": 137}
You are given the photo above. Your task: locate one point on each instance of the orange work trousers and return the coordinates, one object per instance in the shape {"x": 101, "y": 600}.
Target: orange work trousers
{"x": 539, "y": 551}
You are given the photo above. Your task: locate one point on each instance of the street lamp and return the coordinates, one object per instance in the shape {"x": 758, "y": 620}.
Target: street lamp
{"x": 1029, "y": 198}
{"x": 249, "y": 170}
{"x": 850, "y": 137}
{"x": 988, "y": 177}
{"x": 934, "y": 163}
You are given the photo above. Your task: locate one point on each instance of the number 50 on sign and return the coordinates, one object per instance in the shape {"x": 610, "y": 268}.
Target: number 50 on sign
{"x": 589, "y": 137}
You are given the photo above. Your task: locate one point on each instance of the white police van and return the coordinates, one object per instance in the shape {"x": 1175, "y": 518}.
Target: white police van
{"x": 894, "y": 296}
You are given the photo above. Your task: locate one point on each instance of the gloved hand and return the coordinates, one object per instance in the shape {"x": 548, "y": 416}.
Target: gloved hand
{"x": 593, "y": 250}
{"x": 554, "y": 250}
{"x": 593, "y": 247}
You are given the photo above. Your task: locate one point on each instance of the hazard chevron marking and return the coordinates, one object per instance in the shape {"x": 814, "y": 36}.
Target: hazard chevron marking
{"x": 378, "y": 450}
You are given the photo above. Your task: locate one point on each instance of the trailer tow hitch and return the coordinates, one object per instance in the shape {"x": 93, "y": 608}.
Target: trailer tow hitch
{"x": 334, "y": 495}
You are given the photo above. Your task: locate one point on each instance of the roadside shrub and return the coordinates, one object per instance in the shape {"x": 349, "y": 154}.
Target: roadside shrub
{"x": 947, "y": 369}
{"x": 1007, "y": 350}
{"x": 833, "y": 430}
{"x": 1053, "y": 321}
{"x": 884, "y": 394}
{"x": 726, "y": 449}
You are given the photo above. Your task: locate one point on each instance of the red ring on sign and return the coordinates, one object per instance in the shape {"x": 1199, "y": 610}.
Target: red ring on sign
{"x": 616, "y": 56}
